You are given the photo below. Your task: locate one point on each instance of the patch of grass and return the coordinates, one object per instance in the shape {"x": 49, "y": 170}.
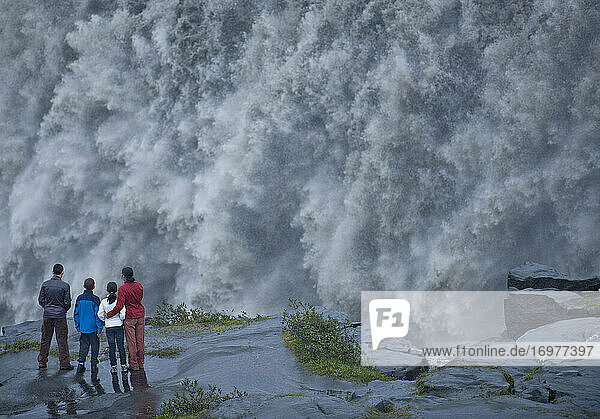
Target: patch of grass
{"x": 391, "y": 412}
{"x": 290, "y": 395}
{"x": 324, "y": 346}
{"x": 167, "y": 314}
{"x": 532, "y": 373}
{"x": 166, "y": 352}
{"x": 54, "y": 352}
{"x": 20, "y": 345}
{"x": 194, "y": 401}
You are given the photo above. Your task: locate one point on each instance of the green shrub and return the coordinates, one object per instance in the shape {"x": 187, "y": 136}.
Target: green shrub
{"x": 20, "y": 345}
{"x": 313, "y": 336}
{"x": 194, "y": 400}
{"x": 167, "y": 314}
{"x": 324, "y": 345}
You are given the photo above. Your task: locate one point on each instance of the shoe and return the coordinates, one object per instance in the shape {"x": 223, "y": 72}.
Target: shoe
{"x": 68, "y": 367}
{"x": 80, "y": 368}
{"x": 42, "y": 366}
{"x": 113, "y": 369}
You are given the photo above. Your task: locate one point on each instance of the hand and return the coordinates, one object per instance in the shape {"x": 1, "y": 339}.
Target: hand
{"x": 99, "y": 334}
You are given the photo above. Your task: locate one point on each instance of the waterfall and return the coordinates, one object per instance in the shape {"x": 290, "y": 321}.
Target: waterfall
{"x": 240, "y": 152}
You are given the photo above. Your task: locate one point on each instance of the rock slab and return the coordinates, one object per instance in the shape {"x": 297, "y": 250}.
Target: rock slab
{"x": 542, "y": 277}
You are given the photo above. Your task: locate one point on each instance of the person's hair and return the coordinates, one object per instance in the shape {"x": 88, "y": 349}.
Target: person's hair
{"x": 127, "y": 272}
{"x": 111, "y": 288}
{"x": 58, "y": 269}
{"x": 89, "y": 284}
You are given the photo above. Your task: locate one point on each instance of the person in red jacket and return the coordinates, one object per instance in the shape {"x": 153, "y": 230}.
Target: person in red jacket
{"x": 130, "y": 296}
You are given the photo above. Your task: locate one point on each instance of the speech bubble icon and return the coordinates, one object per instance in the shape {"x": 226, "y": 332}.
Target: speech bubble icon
{"x": 389, "y": 318}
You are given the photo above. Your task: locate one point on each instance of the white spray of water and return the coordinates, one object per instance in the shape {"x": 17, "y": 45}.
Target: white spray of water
{"x": 237, "y": 153}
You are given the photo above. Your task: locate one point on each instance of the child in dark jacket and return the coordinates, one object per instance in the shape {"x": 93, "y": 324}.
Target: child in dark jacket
{"x": 88, "y": 325}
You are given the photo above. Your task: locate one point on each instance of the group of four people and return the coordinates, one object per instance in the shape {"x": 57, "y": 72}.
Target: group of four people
{"x": 121, "y": 312}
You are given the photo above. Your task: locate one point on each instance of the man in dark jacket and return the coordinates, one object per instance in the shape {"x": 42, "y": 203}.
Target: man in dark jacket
{"x": 55, "y": 298}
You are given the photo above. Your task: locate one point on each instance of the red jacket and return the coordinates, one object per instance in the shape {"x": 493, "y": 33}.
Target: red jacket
{"x": 130, "y": 295}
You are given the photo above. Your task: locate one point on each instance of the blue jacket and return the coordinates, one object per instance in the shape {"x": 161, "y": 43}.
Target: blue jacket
{"x": 86, "y": 313}
{"x": 55, "y": 298}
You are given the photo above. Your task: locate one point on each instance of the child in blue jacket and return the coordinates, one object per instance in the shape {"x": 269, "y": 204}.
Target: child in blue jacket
{"x": 88, "y": 325}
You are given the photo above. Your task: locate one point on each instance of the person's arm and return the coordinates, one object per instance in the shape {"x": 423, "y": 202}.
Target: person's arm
{"x": 99, "y": 323}
{"x": 123, "y": 313}
{"x": 76, "y": 315}
{"x": 102, "y": 311}
{"x": 42, "y": 297}
{"x": 118, "y": 307}
{"x": 67, "y": 298}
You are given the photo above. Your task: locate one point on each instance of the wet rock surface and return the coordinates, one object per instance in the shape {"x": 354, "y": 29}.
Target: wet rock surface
{"x": 574, "y": 330}
{"x": 255, "y": 359}
{"x": 542, "y": 277}
{"x": 541, "y": 295}
{"x": 523, "y": 312}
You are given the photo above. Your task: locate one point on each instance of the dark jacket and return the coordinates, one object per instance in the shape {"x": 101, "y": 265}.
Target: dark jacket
{"x": 55, "y": 298}
{"x": 86, "y": 313}
{"x": 130, "y": 296}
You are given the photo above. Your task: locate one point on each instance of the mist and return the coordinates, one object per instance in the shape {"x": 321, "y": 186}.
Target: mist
{"x": 237, "y": 153}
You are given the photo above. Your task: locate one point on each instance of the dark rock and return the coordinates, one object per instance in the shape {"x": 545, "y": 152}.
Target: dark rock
{"x": 394, "y": 391}
{"x": 452, "y": 382}
{"x": 542, "y": 277}
{"x": 403, "y": 373}
{"x": 573, "y": 373}
{"x": 574, "y": 387}
{"x": 540, "y": 392}
{"x": 385, "y": 406}
{"x": 535, "y": 394}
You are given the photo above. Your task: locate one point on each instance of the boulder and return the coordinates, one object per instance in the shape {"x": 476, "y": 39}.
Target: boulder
{"x": 542, "y": 277}
{"x": 523, "y": 312}
{"x": 573, "y": 330}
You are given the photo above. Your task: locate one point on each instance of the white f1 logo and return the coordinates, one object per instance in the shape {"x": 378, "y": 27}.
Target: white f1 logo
{"x": 389, "y": 318}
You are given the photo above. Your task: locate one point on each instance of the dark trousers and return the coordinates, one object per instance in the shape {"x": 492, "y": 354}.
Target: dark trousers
{"x": 115, "y": 337}
{"x": 62, "y": 332}
{"x": 85, "y": 341}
